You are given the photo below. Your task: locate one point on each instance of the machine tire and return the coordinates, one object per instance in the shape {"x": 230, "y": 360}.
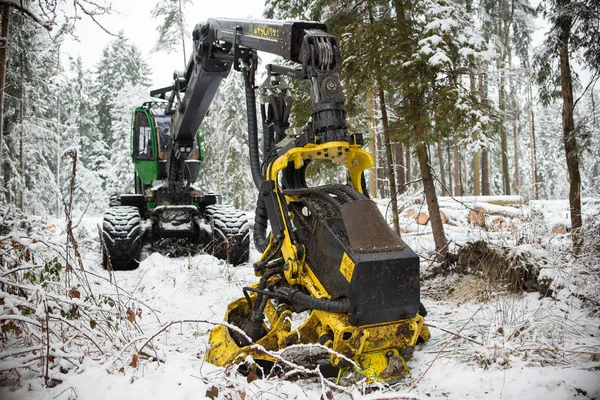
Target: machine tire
{"x": 122, "y": 235}
{"x": 114, "y": 200}
{"x": 230, "y": 233}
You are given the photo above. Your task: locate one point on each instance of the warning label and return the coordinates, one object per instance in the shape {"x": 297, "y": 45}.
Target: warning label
{"x": 347, "y": 267}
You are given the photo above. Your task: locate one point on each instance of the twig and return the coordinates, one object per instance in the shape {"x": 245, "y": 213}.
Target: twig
{"x": 442, "y": 349}
{"x": 454, "y": 333}
{"x": 556, "y": 349}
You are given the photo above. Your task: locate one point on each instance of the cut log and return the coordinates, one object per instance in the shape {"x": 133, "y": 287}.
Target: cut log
{"x": 422, "y": 218}
{"x": 499, "y": 225}
{"x": 444, "y": 217}
{"x": 409, "y": 214}
{"x": 477, "y": 217}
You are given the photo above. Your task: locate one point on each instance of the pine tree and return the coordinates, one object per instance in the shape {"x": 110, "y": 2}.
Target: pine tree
{"x": 227, "y": 160}
{"x": 171, "y": 30}
{"x": 573, "y": 23}
{"x": 122, "y": 68}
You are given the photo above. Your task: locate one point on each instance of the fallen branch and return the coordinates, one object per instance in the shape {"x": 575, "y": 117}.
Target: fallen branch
{"x": 442, "y": 349}
{"x": 454, "y": 333}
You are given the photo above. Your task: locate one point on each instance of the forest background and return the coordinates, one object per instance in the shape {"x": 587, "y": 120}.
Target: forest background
{"x": 454, "y": 97}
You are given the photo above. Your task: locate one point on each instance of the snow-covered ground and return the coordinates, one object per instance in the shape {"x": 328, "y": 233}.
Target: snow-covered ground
{"x": 485, "y": 344}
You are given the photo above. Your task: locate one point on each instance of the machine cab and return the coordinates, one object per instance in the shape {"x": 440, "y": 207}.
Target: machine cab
{"x": 150, "y": 142}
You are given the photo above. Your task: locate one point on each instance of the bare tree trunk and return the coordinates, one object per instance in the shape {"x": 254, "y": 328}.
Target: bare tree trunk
{"x": 3, "y": 49}
{"x": 450, "y": 187}
{"x": 503, "y": 138}
{"x": 569, "y": 136}
{"x": 182, "y": 34}
{"x": 456, "y": 162}
{"x": 485, "y": 173}
{"x": 476, "y": 174}
{"x": 58, "y": 152}
{"x": 437, "y": 227}
{"x": 475, "y": 159}
{"x": 399, "y": 162}
{"x": 440, "y": 151}
{"x": 485, "y": 163}
{"x": 372, "y": 142}
{"x": 380, "y": 169}
{"x": 534, "y": 194}
{"x": 407, "y": 162}
{"x": 516, "y": 152}
{"x": 390, "y": 161}
{"x": 515, "y": 117}
{"x": 21, "y": 110}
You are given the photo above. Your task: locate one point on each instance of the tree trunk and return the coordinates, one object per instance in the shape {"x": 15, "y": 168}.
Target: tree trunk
{"x": 515, "y": 118}
{"x": 380, "y": 169}
{"x": 372, "y": 147}
{"x": 390, "y": 162}
{"x": 456, "y": 162}
{"x": 407, "y": 162}
{"x": 437, "y": 227}
{"x": 3, "y": 49}
{"x": 476, "y": 174}
{"x": 21, "y": 111}
{"x": 58, "y": 137}
{"x": 181, "y": 24}
{"x": 450, "y": 188}
{"x": 516, "y": 152}
{"x": 569, "y": 137}
{"x": 503, "y": 138}
{"x": 485, "y": 163}
{"x": 532, "y": 152}
{"x": 485, "y": 173}
{"x": 399, "y": 163}
{"x": 440, "y": 151}
{"x": 475, "y": 159}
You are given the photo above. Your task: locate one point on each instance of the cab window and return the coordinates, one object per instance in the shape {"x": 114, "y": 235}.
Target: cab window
{"x": 143, "y": 144}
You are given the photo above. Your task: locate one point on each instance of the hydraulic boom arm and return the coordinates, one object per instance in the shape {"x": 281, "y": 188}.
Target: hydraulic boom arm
{"x": 220, "y": 44}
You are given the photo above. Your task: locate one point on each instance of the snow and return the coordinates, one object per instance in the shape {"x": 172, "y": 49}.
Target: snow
{"x": 508, "y": 346}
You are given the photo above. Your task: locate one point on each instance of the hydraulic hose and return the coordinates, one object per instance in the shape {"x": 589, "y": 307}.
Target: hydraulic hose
{"x": 296, "y": 297}
{"x": 260, "y": 213}
{"x": 253, "y": 136}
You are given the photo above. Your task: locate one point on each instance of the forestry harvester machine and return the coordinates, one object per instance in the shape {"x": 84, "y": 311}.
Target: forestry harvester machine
{"x": 329, "y": 251}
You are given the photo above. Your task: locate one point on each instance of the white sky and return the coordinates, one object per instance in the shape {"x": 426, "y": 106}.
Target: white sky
{"x": 133, "y": 17}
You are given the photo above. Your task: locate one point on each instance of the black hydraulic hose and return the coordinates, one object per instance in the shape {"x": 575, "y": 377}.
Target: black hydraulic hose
{"x": 296, "y": 297}
{"x": 253, "y": 136}
{"x": 260, "y": 213}
{"x": 261, "y": 219}
{"x": 355, "y": 195}
{"x": 258, "y": 312}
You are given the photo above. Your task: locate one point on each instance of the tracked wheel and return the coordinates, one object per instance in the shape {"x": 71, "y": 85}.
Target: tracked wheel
{"x": 230, "y": 233}
{"x": 122, "y": 235}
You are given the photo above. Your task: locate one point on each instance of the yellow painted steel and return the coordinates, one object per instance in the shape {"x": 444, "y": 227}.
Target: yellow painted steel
{"x": 373, "y": 350}
{"x": 376, "y": 351}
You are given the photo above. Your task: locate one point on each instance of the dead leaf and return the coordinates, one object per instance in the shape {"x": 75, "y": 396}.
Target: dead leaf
{"x": 134, "y": 361}
{"x": 242, "y": 395}
{"x": 130, "y": 315}
{"x": 122, "y": 370}
{"x": 74, "y": 293}
{"x": 212, "y": 393}
{"x": 252, "y": 377}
